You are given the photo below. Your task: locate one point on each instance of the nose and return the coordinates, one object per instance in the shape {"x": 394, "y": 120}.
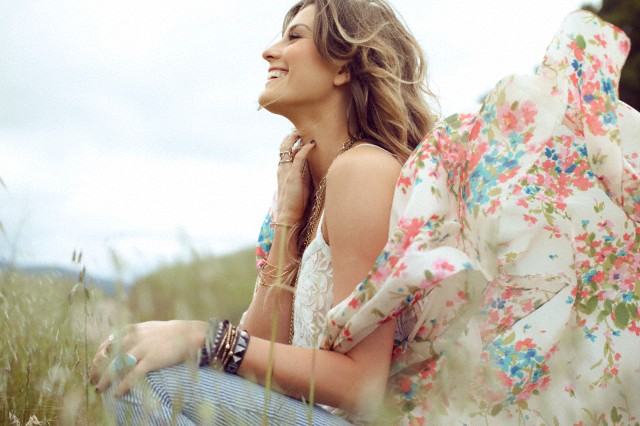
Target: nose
{"x": 272, "y": 52}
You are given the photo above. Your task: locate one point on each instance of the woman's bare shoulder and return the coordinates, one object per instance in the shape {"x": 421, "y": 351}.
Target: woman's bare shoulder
{"x": 360, "y": 184}
{"x": 366, "y": 162}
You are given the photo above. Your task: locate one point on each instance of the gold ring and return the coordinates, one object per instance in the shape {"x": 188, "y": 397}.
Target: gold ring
{"x": 286, "y": 157}
{"x": 107, "y": 349}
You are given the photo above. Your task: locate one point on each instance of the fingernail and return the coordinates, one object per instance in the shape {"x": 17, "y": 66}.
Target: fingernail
{"x": 312, "y": 141}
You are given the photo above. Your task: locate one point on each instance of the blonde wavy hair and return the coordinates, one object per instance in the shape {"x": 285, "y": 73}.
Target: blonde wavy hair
{"x": 387, "y": 67}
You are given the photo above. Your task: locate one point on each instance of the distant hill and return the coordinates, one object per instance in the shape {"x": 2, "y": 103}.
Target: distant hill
{"x": 202, "y": 287}
{"x": 105, "y": 285}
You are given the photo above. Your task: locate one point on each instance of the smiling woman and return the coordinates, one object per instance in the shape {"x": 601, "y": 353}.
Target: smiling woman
{"x": 356, "y": 95}
{"x": 475, "y": 271}
{"x": 297, "y": 72}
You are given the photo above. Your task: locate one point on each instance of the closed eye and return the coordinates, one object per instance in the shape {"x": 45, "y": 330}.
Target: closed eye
{"x": 294, "y": 31}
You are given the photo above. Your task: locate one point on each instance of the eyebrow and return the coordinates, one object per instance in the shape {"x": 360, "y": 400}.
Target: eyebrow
{"x": 294, "y": 26}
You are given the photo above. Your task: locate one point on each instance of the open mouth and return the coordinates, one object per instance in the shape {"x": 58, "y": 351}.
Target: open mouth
{"x": 273, "y": 74}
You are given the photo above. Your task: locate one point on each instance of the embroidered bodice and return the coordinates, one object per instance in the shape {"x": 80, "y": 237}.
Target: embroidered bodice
{"x": 314, "y": 292}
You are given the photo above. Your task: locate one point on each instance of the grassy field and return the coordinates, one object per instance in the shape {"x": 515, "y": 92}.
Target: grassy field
{"x": 51, "y": 327}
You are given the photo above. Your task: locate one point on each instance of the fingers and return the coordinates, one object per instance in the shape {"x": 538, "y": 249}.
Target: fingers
{"x": 145, "y": 347}
{"x": 101, "y": 359}
{"x": 289, "y": 141}
{"x": 301, "y": 156}
{"x": 105, "y": 380}
{"x": 107, "y": 367}
{"x": 130, "y": 378}
{"x": 106, "y": 345}
{"x": 120, "y": 371}
{"x": 97, "y": 366}
{"x": 290, "y": 147}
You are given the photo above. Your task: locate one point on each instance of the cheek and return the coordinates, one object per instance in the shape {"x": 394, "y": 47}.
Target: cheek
{"x": 295, "y": 55}
{"x": 304, "y": 54}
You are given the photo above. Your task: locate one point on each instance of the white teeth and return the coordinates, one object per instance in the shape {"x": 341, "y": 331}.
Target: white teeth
{"x": 276, "y": 74}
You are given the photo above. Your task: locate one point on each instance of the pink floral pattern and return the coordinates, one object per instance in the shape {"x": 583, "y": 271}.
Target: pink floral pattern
{"x": 513, "y": 261}
{"x": 513, "y": 266}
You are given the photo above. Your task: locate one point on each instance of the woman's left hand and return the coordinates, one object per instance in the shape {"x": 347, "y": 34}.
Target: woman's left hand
{"x": 150, "y": 346}
{"x": 294, "y": 180}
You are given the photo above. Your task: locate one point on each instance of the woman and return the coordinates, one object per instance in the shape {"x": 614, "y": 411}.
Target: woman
{"x": 512, "y": 270}
{"x": 351, "y": 79}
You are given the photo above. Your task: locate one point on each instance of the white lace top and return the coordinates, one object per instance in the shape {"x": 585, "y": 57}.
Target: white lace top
{"x": 314, "y": 292}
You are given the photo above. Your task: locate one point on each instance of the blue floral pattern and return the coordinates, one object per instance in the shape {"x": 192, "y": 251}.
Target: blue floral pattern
{"x": 513, "y": 266}
{"x": 513, "y": 260}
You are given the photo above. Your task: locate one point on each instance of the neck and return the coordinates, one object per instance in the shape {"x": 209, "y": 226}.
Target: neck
{"x": 330, "y": 133}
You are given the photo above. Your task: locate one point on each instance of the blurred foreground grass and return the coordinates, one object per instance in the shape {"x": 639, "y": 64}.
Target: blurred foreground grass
{"x": 51, "y": 327}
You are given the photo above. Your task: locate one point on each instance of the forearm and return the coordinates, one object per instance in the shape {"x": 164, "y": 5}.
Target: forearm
{"x": 349, "y": 381}
{"x": 269, "y": 314}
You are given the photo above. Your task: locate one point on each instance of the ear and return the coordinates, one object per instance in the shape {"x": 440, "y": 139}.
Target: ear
{"x": 343, "y": 76}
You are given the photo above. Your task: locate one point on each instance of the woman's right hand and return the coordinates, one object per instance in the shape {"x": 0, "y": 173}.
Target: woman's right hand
{"x": 151, "y": 346}
{"x": 294, "y": 181}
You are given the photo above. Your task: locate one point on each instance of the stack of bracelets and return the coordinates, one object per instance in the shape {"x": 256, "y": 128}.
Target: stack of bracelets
{"x": 278, "y": 276}
{"x": 225, "y": 346}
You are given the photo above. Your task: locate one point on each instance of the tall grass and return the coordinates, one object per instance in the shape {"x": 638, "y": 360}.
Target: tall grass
{"x": 46, "y": 334}
{"x": 51, "y": 326}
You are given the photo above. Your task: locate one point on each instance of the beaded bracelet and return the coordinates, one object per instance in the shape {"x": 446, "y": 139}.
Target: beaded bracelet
{"x": 227, "y": 349}
{"x": 218, "y": 349}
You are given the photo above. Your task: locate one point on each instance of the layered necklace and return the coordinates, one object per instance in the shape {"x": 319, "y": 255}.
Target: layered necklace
{"x": 318, "y": 198}
{"x": 318, "y": 202}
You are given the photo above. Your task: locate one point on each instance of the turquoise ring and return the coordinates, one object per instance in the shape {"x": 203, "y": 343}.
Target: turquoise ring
{"x": 122, "y": 362}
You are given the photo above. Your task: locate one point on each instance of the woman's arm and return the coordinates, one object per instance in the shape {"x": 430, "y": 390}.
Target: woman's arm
{"x": 355, "y": 380}
{"x": 269, "y": 314}
{"x": 359, "y": 194}
{"x": 360, "y": 188}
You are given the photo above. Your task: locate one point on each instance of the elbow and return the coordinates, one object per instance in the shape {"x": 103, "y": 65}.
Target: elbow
{"x": 363, "y": 396}
{"x": 364, "y": 380}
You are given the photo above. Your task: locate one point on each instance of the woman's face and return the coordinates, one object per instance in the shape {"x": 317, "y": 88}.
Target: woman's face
{"x": 298, "y": 76}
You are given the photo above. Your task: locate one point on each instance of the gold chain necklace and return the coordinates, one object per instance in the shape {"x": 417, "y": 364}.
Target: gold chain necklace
{"x": 318, "y": 202}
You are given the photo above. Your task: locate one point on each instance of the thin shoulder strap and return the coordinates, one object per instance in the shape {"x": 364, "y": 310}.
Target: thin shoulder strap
{"x": 320, "y": 232}
{"x": 371, "y": 144}
{"x": 379, "y": 147}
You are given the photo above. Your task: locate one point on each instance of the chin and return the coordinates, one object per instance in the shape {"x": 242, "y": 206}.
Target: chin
{"x": 270, "y": 104}
{"x": 264, "y": 100}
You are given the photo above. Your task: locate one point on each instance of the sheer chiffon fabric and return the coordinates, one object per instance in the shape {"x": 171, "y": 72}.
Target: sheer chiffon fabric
{"x": 513, "y": 259}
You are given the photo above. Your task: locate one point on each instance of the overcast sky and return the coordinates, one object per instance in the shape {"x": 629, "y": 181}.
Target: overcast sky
{"x": 130, "y": 127}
